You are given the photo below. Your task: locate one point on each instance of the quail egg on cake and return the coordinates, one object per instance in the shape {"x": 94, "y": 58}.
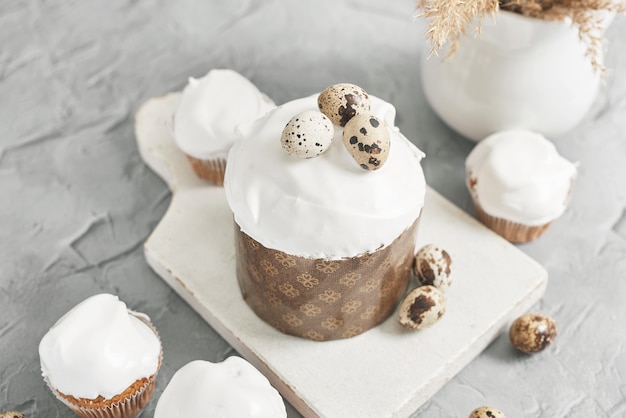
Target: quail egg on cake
{"x": 341, "y": 102}
{"x": 432, "y": 266}
{"x": 366, "y": 138}
{"x": 307, "y": 135}
{"x": 532, "y": 332}
{"x": 486, "y": 412}
{"x": 422, "y": 307}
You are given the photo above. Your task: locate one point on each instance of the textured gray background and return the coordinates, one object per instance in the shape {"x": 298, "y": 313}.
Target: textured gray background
{"x": 77, "y": 203}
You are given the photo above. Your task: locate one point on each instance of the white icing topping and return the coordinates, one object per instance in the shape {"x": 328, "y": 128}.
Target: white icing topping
{"x": 98, "y": 348}
{"x": 520, "y": 177}
{"x": 231, "y": 389}
{"x": 211, "y": 108}
{"x": 323, "y": 207}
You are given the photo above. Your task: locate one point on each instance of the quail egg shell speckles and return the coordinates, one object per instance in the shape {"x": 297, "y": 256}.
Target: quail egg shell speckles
{"x": 307, "y": 135}
{"x": 532, "y": 332}
{"x": 367, "y": 140}
{"x": 421, "y": 308}
{"x": 432, "y": 266}
{"x": 341, "y": 102}
{"x": 486, "y": 412}
{"x": 12, "y": 414}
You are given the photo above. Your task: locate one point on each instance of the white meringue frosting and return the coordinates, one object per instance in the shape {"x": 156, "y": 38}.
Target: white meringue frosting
{"x": 99, "y": 348}
{"x": 211, "y": 108}
{"x": 323, "y": 207}
{"x": 230, "y": 389}
{"x": 519, "y": 176}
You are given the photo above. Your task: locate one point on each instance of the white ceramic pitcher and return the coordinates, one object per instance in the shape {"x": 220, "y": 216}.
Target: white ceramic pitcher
{"x": 519, "y": 73}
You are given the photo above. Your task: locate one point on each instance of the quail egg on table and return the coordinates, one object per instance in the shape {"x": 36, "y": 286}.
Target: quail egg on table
{"x": 12, "y": 414}
{"x": 486, "y": 412}
{"x": 532, "y": 332}
{"x": 341, "y": 102}
{"x": 367, "y": 140}
{"x": 421, "y": 308}
{"x": 307, "y": 135}
{"x": 432, "y": 266}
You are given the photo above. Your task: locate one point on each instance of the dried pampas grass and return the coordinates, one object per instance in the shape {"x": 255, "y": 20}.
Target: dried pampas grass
{"x": 448, "y": 20}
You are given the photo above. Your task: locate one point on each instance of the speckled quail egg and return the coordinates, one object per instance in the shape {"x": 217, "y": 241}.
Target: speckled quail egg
{"x": 307, "y": 135}
{"x": 486, "y": 412}
{"x": 532, "y": 332}
{"x": 12, "y": 414}
{"x": 432, "y": 266}
{"x": 421, "y": 308}
{"x": 341, "y": 102}
{"x": 367, "y": 140}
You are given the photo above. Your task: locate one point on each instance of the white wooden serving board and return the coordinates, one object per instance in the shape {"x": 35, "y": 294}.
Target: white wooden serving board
{"x": 385, "y": 372}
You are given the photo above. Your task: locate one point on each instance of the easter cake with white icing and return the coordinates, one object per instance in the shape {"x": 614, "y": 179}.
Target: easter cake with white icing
{"x": 519, "y": 183}
{"x": 101, "y": 359}
{"x": 325, "y": 226}
{"x": 230, "y": 389}
{"x": 206, "y": 120}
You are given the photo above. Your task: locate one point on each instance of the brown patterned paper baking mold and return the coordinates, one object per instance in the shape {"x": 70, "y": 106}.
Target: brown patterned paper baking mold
{"x": 210, "y": 170}
{"x": 323, "y": 299}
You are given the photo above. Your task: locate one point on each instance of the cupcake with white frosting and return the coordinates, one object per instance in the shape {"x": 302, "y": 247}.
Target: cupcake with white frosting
{"x": 519, "y": 183}
{"x": 324, "y": 246}
{"x": 208, "y": 114}
{"x": 101, "y": 359}
{"x": 230, "y": 389}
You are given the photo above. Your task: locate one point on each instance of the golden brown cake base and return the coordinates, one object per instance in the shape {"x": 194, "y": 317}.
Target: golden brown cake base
{"x": 210, "y": 170}
{"x": 511, "y": 231}
{"x": 323, "y": 299}
{"x": 125, "y": 405}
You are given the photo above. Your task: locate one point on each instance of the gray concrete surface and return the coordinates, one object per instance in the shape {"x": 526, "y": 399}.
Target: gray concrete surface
{"x": 77, "y": 203}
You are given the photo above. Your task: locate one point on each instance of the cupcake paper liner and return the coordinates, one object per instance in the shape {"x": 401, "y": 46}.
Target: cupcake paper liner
{"x": 210, "y": 170}
{"x": 323, "y": 299}
{"x": 512, "y": 231}
{"x": 126, "y": 405}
